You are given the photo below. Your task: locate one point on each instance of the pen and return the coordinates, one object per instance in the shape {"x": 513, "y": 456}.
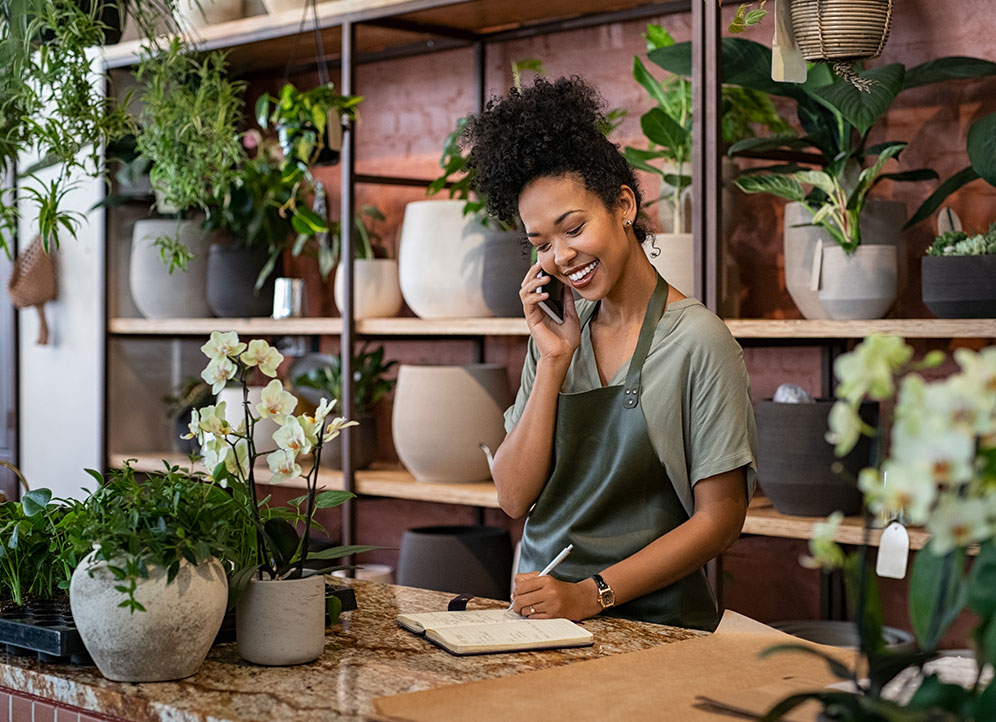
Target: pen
{"x": 553, "y": 564}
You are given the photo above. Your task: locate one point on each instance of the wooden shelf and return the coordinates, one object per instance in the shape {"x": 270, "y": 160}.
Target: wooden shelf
{"x": 741, "y": 328}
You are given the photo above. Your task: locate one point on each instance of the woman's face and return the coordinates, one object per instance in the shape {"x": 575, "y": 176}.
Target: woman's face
{"x": 578, "y": 239}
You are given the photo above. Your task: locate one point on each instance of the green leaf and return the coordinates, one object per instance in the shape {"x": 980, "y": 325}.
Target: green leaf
{"x": 926, "y": 210}
{"x": 282, "y": 541}
{"x": 950, "y": 68}
{"x": 985, "y": 705}
{"x": 863, "y": 108}
{"x": 934, "y": 694}
{"x": 339, "y": 552}
{"x": 868, "y": 176}
{"x": 333, "y": 607}
{"x": 938, "y": 593}
{"x": 35, "y": 501}
{"x": 982, "y": 582}
{"x": 657, "y": 37}
{"x": 778, "y": 185}
{"x": 648, "y": 81}
{"x": 837, "y": 668}
{"x": 817, "y": 178}
{"x": 982, "y": 148}
{"x": 661, "y": 129}
{"x": 332, "y": 498}
{"x": 773, "y": 142}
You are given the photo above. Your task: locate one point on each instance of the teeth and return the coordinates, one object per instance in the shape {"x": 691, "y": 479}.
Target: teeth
{"x": 578, "y": 275}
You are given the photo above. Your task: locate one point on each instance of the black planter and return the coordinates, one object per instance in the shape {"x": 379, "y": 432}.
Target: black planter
{"x": 110, "y": 16}
{"x": 795, "y": 460}
{"x": 45, "y": 629}
{"x": 457, "y": 559}
{"x": 959, "y": 286}
{"x": 506, "y": 262}
{"x": 231, "y": 282}
{"x": 363, "y": 444}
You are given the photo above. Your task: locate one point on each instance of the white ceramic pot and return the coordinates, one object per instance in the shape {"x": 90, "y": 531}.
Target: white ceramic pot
{"x": 167, "y": 641}
{"x": 262, "y": 436}
{"x": 281, "y": 6}
{"x": 673, "y": 255}
{"x": 441, "y": 416}
{"x": 881, "y": 224}
{"x": 441, "y": 261}
{"x": 376, "y": 288}
{"x": 210, "y": 12}
{"x": 157, "y": 293}
{"x": 280, "y": 623}
{"x": 861, "y": 285}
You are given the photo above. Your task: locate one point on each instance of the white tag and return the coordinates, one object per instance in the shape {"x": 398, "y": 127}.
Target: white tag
{"x": 893, "y": 551}
{"x": 814, "y": 278}
{"x": 947, "y": 220}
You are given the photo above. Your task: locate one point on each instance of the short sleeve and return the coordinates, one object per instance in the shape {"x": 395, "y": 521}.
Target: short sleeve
{"x": 514, "y": 412}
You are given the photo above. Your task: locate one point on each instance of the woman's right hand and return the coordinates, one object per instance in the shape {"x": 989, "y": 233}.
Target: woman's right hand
{"x": 552, "y": 339}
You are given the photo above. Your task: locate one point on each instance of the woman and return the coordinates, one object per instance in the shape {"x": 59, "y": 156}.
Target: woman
{"x": 632, "y": 435}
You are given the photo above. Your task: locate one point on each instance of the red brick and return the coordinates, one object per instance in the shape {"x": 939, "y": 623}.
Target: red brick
{"x": 20, "y": 709}
{"x": 43, "y": 712}
{"x": 64, "y": 715}
{"x": 4, "y": 707}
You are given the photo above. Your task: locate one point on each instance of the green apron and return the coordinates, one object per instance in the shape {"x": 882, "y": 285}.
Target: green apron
{"x": 609, "y": 495}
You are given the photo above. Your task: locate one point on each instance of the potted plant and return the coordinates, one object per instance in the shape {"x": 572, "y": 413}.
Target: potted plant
{"x": 376, "y": 288}
{"x": 281, "y": 596}
{"x": 370, "y": 385}
{"x": 308, "y": 122}
{"x": 154, "y": 573}
{"x": 940, "y": 474}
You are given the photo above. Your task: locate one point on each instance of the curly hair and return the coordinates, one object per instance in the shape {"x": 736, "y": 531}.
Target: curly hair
{"x": 550, "y": 129}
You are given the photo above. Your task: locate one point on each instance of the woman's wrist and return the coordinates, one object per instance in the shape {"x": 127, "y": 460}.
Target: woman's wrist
{"x": 587, "y": 596}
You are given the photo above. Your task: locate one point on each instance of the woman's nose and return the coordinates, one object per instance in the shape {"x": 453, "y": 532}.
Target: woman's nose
{"x": 563, "y": 254}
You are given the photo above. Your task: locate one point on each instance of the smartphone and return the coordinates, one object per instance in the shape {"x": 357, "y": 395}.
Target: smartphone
{"x": 553, "y": 305}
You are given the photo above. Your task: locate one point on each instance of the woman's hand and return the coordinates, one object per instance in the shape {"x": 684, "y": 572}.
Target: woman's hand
{"x": 552, "y": 339}
{"x": 544, "y": 597}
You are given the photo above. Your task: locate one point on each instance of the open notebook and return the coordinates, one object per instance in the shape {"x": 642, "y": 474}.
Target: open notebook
{"x": 494, "y": 630}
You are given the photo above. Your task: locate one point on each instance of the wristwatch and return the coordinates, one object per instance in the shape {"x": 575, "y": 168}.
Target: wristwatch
{"x": 606, "y": 597}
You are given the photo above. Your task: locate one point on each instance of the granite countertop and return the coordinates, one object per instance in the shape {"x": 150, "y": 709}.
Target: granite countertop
{"x": 366, "y": 656}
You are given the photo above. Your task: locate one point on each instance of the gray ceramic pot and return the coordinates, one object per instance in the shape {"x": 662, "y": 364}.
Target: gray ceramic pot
{"x": 457, "y": 559}
{"x": 959, "y": 286}
{"x": 506, "y": 261}
{"x": 231, "y": 281}
{"x": 795, "y": 460}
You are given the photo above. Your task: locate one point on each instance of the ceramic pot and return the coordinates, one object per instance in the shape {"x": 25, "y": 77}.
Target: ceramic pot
{"x": 441, "y": 416}
{"x": 959, "y": 286}
{"x": 881, "y": 224}
{"x": 282, "y": 6}
{"x": 673, "y": 255}
{"x": 859, "y": 285}
{"x": 380, "y": 573}
{"x": 262, "y": 432}
{"x": 167, "y": 641}
{"x": 459, "y": 559}
{"x": 210, "y": 12}
{"x": 795, "y": 460}
{"x": 363, "y": 444}
{"x": 156, "y": 292}
{"x": 506, "y": 262}
{"x": 231, "y": 281}
{"x": 376, "y": 288}
{"x": 441, "y": 261}
{"x": 280, "y": 623}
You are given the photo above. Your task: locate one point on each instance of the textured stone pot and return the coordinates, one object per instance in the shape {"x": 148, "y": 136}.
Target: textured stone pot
{"x": 881, "y": 224}
{"x": 231, "y": 281}
{"x": 795, "y": 460}
{"x": 167, "y": 641}
{"x": 471, "y": 559}
{"x": 859, "y": 285}
{"x": 506, "y": 262}
{"x": 673, "y": 255}
{"x": 376, "y": 288}
{"x": 441, "y": 261}
{"x": 959, "y": 286}
{"x": 441, "y": 416}
{"x": 280, "y": 623}
{"x": 158, "y": 293}
{"x": 195, "y": 16}
{"x": 363, "y": 444}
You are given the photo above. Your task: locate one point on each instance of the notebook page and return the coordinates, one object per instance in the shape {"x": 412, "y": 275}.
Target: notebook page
{"x": 441, "y": 620}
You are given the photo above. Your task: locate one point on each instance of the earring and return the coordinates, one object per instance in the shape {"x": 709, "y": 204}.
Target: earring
{"x": 627, "y": 223}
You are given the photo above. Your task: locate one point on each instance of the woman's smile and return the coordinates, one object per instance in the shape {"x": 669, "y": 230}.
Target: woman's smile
{"x": 581, "y": 277}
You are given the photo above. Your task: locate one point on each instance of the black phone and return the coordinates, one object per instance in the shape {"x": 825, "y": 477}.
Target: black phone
{"x": 553, "y": 305}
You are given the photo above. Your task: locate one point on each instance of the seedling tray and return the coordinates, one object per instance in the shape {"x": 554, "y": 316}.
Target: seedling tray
{"x": 43, "y": 629}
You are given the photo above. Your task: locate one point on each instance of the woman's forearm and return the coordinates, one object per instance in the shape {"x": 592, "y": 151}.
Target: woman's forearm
{"x": 522, "y": 462}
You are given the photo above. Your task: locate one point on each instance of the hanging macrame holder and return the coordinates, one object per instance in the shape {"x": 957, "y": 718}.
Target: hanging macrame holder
{"x": 842, "y": 32}
{"x": 33, "y": 282}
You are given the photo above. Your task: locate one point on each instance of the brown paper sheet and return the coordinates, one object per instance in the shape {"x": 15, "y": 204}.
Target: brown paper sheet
{"x": 661, "y": 683}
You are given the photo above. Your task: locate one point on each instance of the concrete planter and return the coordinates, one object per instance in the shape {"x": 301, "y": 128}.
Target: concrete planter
{"x": 280, "y": 623}
{"x": 157, "y": 293}
{"x": 194, "y": 17}
{"x": 169, "y": 640}
{"x": 376, "y": 288}
{"x": 959, "y": 286}
{"x": 860, "y": 285}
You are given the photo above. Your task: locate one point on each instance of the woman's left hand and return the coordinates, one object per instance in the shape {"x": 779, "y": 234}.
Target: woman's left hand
{"x": 544, "y": 597}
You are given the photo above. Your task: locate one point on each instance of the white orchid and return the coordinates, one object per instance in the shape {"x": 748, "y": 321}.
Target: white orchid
{"x": 283, "y": 464}
{"x": 223, "y": 345}
{"x": 824, "y": 552}
{"x": 870, "y": 368}
{"x": 276, "y": 403}
{"x": 845, "y": 427}
{"x": 261, "y": 354}
{"x": 214, "y": 421}
{"x": 957, "y": 523}
{"x": 218, "y": 373}
{"x": 291, "y": 437}
{"x": 335, "y": 426}
{"x": 903, "y": 489}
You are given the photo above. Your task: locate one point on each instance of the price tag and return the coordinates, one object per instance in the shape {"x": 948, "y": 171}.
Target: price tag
{"x": 893, "y": 551}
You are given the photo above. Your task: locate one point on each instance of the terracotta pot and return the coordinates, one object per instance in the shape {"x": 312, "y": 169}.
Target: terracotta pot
{"x": 860, "y": 285}
{"x": 441, "y": 261}
{"x": 795, "y": 460}
{"x": 458, "y": 559}
{"x": 959, "y": 286}
{"x": 443, "y": 413}
{"x": 231, "y": 281}
{"x": 167, "y": 641}
{"x": 376, "y": 288}
{"x": 506, "y": 262}
{"x": 280, "y": 623}
{"x": 157, "y": 293}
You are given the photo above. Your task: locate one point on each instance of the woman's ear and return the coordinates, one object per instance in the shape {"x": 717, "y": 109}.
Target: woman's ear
{"x": 627, "y": 204}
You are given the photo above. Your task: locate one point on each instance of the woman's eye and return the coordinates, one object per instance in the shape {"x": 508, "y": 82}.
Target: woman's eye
{"x": 576, "y": 231}
{"x": 543, "y": 247}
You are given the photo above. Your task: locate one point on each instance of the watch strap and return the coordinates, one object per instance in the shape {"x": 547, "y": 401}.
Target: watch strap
{"x": 606, "y": 597}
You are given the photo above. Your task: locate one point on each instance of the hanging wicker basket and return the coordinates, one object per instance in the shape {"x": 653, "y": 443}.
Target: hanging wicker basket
{"x": 841, "y": 30}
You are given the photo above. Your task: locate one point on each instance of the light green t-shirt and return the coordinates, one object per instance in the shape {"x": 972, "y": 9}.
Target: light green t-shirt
{"x": 695, "y": 395}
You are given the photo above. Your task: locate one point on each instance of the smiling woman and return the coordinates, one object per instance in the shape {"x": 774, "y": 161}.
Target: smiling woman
{"x": 632, "y": 436}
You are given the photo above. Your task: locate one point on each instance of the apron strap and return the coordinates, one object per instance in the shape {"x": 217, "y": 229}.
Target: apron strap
{"x": 658, "y": 301}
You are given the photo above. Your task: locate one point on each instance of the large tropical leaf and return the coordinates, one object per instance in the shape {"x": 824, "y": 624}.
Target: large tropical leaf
{"x": 817, "y": 178}
{"x": 773, "y": 142}
{"x": 648, "y": 81}
{"x": 943, "y": 69}
{"x": 867, "y": 177}
{"x": 863, "y": 108}
{"x": 661, "y": 129}
{"x": 938, "y": 593}
{"x": 982, "y": 148}
{"x": 778, "y": 185}
{"x": 965, "y": 175}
